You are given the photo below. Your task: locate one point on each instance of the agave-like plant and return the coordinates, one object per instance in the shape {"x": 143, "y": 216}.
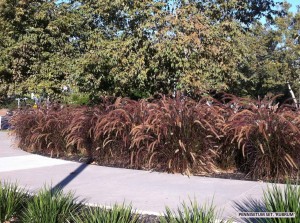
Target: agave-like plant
{"x": 117, "y": 214}
{"x": 277, "y": 198}
{"x": 12, "y": 201}
{"x": 192, "y": 213}
{"x": 51, "y": 207}
{"x": 287, "y": 199}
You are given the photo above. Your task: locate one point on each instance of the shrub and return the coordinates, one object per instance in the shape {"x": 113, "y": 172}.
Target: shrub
{"x": 12, "y": 201}
{"x": 266, "y": 139}
{"x": 78, "y": 99}
{"x": 118, "y": 214}
{"x": 51, "y": 207}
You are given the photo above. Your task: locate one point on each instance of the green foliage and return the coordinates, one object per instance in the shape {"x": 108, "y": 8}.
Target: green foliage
{"x": 78, "y": 99}
{"x": 136, "y": 49}
{"x": 40, "y": 47}
{"x": 10, "y": 104}
{"x": 191, "y": 213}
{"x": 244, "y": 11}
{"x": 12, "y": 201}
{"x": 277, "y": 198}
{"x": 51, "y": 206}
{"x": 271, "y": 56}
{"x": 117, "y": 214}
{"x": 287, "y": 199}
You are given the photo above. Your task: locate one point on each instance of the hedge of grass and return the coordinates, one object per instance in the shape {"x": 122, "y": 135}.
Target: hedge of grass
{"x": 170, "y": 134}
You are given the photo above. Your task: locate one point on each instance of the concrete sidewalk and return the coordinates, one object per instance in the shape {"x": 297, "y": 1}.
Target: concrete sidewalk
{"x": 148, "y": 192}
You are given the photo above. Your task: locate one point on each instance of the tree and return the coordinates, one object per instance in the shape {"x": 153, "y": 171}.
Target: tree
{"x": 142, "y": 48}
{"x": 137, "y": 48}
{"x": 42, "y": 46}
{"x": 245, "y": 12}
{"x": 273, "y": 56}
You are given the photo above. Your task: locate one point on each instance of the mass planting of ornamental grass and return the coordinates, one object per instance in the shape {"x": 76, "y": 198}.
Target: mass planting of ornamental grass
{"x": 170, "y": 134}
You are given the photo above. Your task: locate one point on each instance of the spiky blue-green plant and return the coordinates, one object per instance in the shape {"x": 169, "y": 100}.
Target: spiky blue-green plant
{"x": 191, "y": 213}
{"x": 118, "y": 214}
{"x": 12, "y": 200}
{"x": 276, "y": 198}
{"x": 286, "y": 199}
{"x": 51, "y": 207}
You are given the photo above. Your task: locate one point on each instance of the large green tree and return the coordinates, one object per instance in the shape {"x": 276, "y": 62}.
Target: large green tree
{"x": 272, "y": 58}
{"x": 137, "y": 48}
{"x": 41, "y": 46}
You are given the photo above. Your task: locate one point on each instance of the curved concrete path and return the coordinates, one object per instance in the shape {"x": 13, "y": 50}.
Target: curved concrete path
{"x": 148, "y": 192}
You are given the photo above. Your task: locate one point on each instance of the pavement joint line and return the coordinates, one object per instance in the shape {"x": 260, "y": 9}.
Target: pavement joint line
{"x": 244, "y": 193}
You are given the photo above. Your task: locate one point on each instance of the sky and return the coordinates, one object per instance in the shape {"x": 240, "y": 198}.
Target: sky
{"x": 294, "y": 3}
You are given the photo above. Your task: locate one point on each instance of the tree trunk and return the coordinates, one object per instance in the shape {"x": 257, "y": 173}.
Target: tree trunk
{"x": 293, "y": 95}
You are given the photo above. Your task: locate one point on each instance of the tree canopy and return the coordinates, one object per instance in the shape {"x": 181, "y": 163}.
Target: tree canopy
{"x": 138, "y": 48}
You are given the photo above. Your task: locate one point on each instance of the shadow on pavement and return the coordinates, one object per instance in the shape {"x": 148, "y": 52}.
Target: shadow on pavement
{"x": 70, "y": 177}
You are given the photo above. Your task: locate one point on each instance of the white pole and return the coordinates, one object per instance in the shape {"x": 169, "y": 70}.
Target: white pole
{"x": 18, "y": 99}
{"x": 293, "y": 95}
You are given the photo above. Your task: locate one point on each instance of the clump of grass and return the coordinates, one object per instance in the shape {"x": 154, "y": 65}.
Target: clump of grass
{"x": 111, "y": 131}
{"x": 178, "y": 135}
{"x": 287, "y": 199}
{"x": 170, "y": 134}
{"x": 118, "y": 214}
{"x": 276, "y": 198}
{"x": 79, "y": 132}
{"x": 23, "y": 123}
{"x": 266, "y": 139}
{"x": 191, "y": 213}
{"x": 51, "y": 207}
{"x": 12, "y": 201}
{"x": 42, "y": 130}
